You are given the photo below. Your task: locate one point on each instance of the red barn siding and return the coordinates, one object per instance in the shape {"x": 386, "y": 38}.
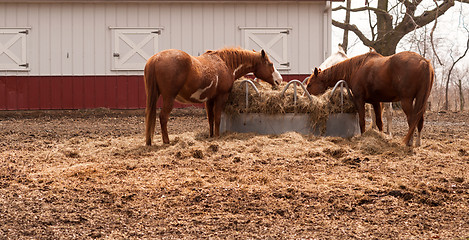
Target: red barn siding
{"x": 78, "y": 92}
{"x": 89, "y": 90}
{"x": 34, "y": 93}
{"x": 67, "y": 96}
{"x": 3, "y": 100}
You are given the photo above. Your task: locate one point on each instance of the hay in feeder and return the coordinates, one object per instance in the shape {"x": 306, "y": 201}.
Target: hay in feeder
{"x": 271, "y": 101}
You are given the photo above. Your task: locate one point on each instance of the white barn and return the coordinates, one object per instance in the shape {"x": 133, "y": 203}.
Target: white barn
{"x": 71, "y": 54}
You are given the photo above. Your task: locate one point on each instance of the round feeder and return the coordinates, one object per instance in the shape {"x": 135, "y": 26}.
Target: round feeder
{"x": 337, "y": 124}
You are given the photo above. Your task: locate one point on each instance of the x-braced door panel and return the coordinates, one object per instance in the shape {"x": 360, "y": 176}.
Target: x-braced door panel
{"x": 273, "y": 41}
{"x": 133, "y": 47}
{"x": 13, "y": 49}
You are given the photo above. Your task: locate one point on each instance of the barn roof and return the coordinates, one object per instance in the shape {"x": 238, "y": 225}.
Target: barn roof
{"x": 136, "y": 1}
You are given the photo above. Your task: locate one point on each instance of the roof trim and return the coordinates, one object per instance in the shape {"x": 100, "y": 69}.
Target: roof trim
{"x": 148, "y": 1}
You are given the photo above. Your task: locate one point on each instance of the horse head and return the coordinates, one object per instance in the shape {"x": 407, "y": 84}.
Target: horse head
{"x": 316, "y": 82}
{"x": 266, "y": 71}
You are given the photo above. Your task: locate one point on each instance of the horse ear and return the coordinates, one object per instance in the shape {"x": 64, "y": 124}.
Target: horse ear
{"x": 263, "y": 53}
{"x": 316, "y": 71}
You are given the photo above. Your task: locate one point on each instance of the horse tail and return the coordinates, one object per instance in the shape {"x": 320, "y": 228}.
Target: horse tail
{"x": 152, "y": 92}
{"x": 421, "y": 100}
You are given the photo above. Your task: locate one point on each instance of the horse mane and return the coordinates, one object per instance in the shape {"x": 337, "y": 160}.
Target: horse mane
{"x": 235, "y": 56}
{"x": 342, "y": 53}
{"x": 344, "y": 70}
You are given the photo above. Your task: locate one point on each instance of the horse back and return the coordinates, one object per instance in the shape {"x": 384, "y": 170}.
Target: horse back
{"x": 394, "y": 77}
{"x": 170, "y": 60}
{"x": 410, "y": 71}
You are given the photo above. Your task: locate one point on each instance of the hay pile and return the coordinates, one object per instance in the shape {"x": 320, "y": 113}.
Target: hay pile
{"x": 270, "y": 101}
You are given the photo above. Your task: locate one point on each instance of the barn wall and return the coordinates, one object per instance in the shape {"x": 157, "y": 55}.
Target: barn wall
{"x": 78, "y": 92}
{"x": 75, "y": 38}
{"x": 69, "y": 45}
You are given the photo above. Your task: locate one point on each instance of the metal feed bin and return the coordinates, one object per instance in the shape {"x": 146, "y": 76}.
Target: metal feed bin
{"x": 337, "y": 125}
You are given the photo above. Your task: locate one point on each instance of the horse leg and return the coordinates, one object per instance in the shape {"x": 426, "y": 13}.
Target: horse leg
{"x": 219, "y": 105}
{"x": 373, "y": 117}
{"x": 378, "y": 115}
{"x": 361, "y": 114}
{"x": 407, "y": 107}
{"x": 388, "y": 111}
{"x": 209, "y": 105}
{"x": 419, "y": 130}
{"x": 164, "y": 116}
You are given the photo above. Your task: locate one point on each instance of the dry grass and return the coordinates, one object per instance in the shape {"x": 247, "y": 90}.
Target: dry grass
{"x": 271, "y": 101}
{"x": 88, "y": 175}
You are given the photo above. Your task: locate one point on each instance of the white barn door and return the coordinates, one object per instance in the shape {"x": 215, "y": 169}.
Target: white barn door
{"x": 273, "y": 40}
{"x": 132, "y": 47}
{"x": 13, "y": 47}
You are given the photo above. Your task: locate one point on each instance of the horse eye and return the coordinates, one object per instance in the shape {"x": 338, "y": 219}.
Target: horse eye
{"x": 271, "y": 64}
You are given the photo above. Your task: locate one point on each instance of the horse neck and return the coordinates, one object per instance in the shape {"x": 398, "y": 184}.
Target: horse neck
{"x": 344, "y": 70}
{"x": 340, "y": 71}
{"x": 239, "y": 62}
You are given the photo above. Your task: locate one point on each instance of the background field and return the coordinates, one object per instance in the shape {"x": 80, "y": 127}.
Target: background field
{"x": 87, "y": 174}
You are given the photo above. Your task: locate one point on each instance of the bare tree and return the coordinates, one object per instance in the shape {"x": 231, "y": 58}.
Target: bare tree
{"x": 446, "y": 107}
{"x": 459, "y": 85}
{"x": 393, "y": 22}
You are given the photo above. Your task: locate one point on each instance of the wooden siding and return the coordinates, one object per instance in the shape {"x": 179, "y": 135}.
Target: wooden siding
{"x": 78, "y": 92}
{"x": 69, "y": 45}
{"x": 74, "y": 39}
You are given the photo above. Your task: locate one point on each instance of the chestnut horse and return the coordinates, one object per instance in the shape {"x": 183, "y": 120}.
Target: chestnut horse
{"x": 404, "y": 77}
{"x": 208, "y": 78}
{"x": 340, "y": 56}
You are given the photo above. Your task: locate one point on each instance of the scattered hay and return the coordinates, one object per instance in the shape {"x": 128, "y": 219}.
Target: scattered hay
{"x": 271, "y": 101}
{"x": 372, "y": 142}
{"x": 246, "y": 185}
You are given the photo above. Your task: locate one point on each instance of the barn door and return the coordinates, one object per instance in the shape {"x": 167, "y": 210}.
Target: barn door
{"x": 273, "y": 40}
{"x": 133, "y": 47}
{"x": 13, "y": 49}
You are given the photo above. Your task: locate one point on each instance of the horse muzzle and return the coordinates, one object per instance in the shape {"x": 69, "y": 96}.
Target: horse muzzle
{"x": 277, "y": 77}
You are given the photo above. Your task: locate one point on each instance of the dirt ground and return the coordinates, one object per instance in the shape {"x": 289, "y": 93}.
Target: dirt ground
{"x": 87, "y": 174}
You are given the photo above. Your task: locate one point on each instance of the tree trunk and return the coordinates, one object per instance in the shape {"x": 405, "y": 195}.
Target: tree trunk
{"x": 347, "y": 21}
{"x": 446, "y": 106}
{"x": 387, "y": 47}
{"x": 382, "y": 20}
{"x": 461, "y": 96}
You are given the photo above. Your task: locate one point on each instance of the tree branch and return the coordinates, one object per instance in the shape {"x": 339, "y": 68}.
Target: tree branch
{"x": 431, "y": 37}
{"x": 428, "y": 16}
{"x": 410, "y": 22}
{"x": 372, "y": 28}
{"x": 354, "y": 29}
{"x": 361, "y": 9}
